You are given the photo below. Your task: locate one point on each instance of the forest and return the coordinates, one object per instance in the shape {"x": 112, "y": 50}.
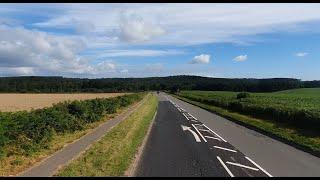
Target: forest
{"x": 58, "y": 84}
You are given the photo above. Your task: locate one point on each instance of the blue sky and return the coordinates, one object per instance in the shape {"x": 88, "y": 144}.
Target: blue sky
{"x": 140, "y": 40}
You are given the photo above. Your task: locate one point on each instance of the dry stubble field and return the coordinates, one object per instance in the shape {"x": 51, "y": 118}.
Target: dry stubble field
{"x": 19, "y": 102}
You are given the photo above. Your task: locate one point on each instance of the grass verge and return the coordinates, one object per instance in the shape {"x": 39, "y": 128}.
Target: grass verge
{"x": 16, "y": 163}
{"x": 113, "y": 154}
{"x": 280, "y": 131}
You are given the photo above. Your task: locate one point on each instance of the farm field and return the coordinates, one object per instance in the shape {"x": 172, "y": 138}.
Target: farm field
{"x": 300, "y": 107}
{"x": 293, "y": 115}
{"x": 17, "y": 101}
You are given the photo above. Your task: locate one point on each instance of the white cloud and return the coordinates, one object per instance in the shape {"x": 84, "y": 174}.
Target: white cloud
{"x": 187, "y": 24}
{"x": 241, "y": 58}
{"x": 301, "y": 54}
{"x": 80, "y": 26}
{"x": 118, "y": 29}
{"x": 134, "y": 29}
{"x": 104, "y": 66}
{"x": 22, "y": 47}
{"x": 27, "y": 52}
{"x": 201, "y": 59}
{"x": 138, "y": 52}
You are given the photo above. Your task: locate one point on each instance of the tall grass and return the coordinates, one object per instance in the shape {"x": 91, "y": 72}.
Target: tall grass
{"x": 112, "y": 155}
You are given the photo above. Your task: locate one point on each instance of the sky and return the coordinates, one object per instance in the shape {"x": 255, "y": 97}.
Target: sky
{"x": 142, "y": 40}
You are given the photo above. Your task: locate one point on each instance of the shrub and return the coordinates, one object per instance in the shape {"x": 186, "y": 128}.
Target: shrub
{"x": 242, "y": 95}
{"x": 27, "y": 132}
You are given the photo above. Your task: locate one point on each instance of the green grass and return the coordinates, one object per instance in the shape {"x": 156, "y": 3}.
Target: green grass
{"x": 113, "y": 154}
{"x": 297, "y": 98}
{"x": 306, "y": 92}
{"x": 305, "y": 137}
{"x": 299, "y": 107}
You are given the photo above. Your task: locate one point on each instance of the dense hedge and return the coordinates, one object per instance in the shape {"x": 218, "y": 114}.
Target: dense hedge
{"x": 256, "y": 106}
{"x": 26, "y": 132}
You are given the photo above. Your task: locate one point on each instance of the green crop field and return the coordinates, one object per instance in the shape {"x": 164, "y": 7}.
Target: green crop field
{"x": 298, "y": 107}
{"x": 292, "y": 115}
{"x": 305, "y": 92}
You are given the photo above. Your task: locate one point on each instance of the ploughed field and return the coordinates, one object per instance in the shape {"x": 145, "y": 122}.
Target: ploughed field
{"x": 18, "y": 102}
{"x": 297, "y": 107}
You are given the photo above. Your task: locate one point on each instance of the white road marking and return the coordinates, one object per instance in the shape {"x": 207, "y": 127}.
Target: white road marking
{"x": 213, "y": 138}
{"x": 215, "y": 133}
{"x": 185, "y": 116}
{"x": 204, "y": 130}
{"x": 225, "y": 167}
{"x": 199, "y": 133}
{"x": 192, "y": 116}
{"x": 240, "y": 165}
{"x": 186, "y": 128}
{"x": 218, "y": 147}
{"x": 259, "y": 167}
{"x": 193, "y": 120}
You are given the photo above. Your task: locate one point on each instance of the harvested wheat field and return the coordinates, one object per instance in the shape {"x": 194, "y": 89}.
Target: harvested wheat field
{"x": 18, "y": 102}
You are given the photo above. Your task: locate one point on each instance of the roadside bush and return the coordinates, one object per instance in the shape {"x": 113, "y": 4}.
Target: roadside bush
{"x": 242, "y": 95}
{"x": 26, "y": 132}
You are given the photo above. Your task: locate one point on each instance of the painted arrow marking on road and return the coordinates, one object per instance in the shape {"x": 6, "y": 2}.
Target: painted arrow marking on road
{"x": 195, "y": 135}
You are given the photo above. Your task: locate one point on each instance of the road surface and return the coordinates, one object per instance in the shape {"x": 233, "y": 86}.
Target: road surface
{"x": 186, "y": 140}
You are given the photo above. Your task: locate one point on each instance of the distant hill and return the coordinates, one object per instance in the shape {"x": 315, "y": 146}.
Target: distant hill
{"x": 182, "y": 82}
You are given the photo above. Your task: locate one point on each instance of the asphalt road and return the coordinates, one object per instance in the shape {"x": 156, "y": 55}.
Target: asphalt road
{"x": 186, "y": 140}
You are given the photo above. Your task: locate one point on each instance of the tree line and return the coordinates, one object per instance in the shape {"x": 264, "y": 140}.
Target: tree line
{"x": 57, "y": 84}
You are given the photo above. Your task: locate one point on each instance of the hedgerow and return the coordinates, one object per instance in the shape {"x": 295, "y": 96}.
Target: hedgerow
{"x": 26, "y": 132}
